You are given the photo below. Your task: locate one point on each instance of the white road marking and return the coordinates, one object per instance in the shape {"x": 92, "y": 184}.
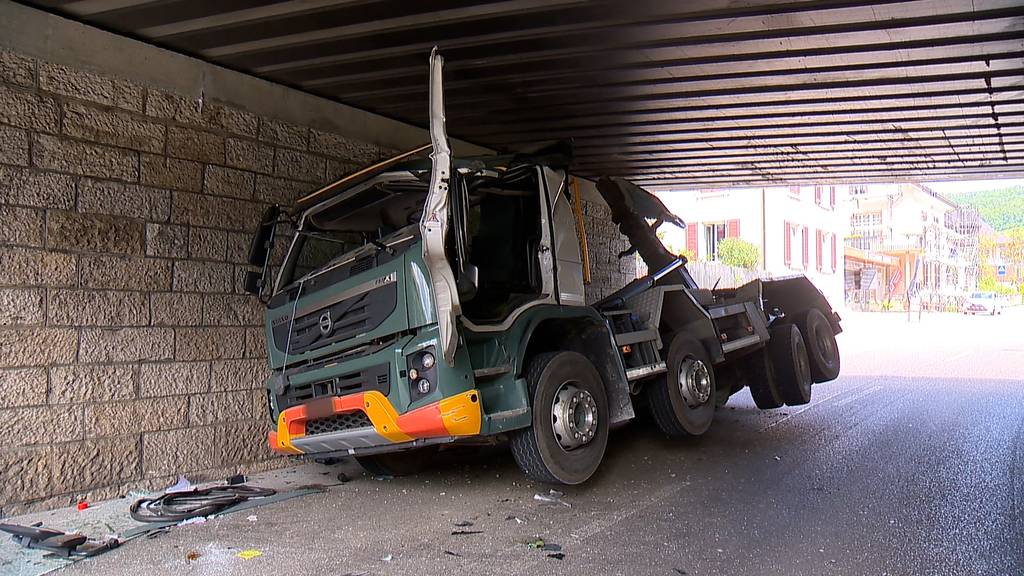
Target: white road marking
{"x": 858, "y": 396}
{"x": 963, "y": 354}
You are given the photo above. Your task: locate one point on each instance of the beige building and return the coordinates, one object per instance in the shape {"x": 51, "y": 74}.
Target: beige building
{"x": 902, "y": 233}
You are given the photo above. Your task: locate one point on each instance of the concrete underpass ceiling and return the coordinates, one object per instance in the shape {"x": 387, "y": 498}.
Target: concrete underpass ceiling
{"x": 705, "y": 93}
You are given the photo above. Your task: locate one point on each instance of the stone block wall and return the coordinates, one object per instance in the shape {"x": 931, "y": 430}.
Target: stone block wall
{"x": 128, "y": 352}
{"x": 608, "y": 273}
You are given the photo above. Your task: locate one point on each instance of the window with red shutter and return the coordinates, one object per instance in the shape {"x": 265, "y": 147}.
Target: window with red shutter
{"x": 691, "y": 238}
{"x": 817, "y": 195}
{"x": 832, "y": 197}
{"x": 788, "y": 242}
{"x": 732, "y": 229}
{"x": 806, "y": 247}
{"x": 819, "y": 248}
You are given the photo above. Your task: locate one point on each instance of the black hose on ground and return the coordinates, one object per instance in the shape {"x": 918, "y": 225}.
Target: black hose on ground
{"x": 177, "y": 506}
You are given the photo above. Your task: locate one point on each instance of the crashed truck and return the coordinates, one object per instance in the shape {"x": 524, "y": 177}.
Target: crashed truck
{"x": 430, "y": 301}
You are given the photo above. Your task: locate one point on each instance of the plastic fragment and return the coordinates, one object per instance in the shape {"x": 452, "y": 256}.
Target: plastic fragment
{"x": 192, "y": 556}
{"x": 557, "y": 555}
{"x": 192, "y": 520}
{"x": 249, "y": 554}
{"x": 466, "y": 532}
{"x": 236, "y": 479}
{"x": 82, "y": 505}
{"x": 450, "y": 553}
{"x": 550, "y": 500}
{"x": 251, "y": 518}
{"x": 388, "y": 558}
{"x": 551, "y": 548}
{"x": 463, "y": 523}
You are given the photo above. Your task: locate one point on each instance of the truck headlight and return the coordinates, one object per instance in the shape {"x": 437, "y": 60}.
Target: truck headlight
{"x": 421, "y": 368}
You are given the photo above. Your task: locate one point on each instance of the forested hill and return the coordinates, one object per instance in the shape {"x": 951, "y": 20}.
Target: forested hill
{"x": 1003, "y": 208}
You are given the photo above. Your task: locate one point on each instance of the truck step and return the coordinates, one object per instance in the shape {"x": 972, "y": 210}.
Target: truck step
{"x": 492, "y": 372}
{"x": 644, "y": 371}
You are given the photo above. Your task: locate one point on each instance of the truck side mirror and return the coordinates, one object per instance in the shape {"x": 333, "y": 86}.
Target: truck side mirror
{"x": 253, "y": 282}
{"x": 264, "y": 238}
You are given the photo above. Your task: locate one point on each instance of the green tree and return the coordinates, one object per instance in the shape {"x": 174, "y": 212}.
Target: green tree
{"x": 740, "y": 253}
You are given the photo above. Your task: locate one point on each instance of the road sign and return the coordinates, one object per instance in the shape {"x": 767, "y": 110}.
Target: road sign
{"x": 1001, "y": 270}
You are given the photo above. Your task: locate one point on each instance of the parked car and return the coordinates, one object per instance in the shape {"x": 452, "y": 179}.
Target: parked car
{"x": 983, "y": 303}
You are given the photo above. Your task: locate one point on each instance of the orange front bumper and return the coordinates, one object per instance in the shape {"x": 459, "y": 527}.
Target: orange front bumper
{"x": 458, "y": 415}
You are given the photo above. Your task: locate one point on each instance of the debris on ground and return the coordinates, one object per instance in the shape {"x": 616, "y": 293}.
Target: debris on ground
{"x": 343, "y": 478}
{"x": 82, "y": 505}
{"x": 516, "y": 518}
{"x": 557, "y": 555}
{"x": 249, "y": 554}
{"x": 388, "y": 558}
{"x": 552, "y": 497}
{"x": 179, "y": 506}
{"x": 450, "y": 553}
{"x": 182, "y": 485}
{"x": 680, "y": 571}
{"x": 463, "y": 524}
{"x": 777, "y": 459}
{"x": 192, "y": 556}
{"x": 192, "y": 520}
{"x": 251, "y": 518}
{"x": 536, "y": 543}
{"x": 59, "y": 543}
{"x": 466, "y": 532}
{"x": 383, "y": 477}
{"x": 236, "y": 480}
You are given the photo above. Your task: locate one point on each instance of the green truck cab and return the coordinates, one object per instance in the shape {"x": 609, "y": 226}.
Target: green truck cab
{"x": 430, "y": 301}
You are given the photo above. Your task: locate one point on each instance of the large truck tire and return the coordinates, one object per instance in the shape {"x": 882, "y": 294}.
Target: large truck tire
{"x": 402, "y": 463}
{"x": 682, "y": 401}
{"x": 822, "y": 350}
{"x": 790, "y": 364}
{"x": 569, "y": 432}
{"x": 763, "y": 388}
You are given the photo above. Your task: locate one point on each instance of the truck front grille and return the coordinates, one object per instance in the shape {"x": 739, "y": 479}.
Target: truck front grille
{"x": 371, "y": 378}
{"x": 338, "y": 423}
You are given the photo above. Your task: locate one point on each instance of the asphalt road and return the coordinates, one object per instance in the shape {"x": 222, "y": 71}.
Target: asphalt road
{"x": 910, "y": 463}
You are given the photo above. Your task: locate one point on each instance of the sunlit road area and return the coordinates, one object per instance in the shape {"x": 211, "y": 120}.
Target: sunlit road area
{"x": 910, "y": 463}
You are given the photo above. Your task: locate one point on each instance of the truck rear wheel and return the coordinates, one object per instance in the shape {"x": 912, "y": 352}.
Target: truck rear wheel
{"x": 763, "y": 388}
{"x": 822, "y": 350}
{"x": 790, "y": 364}
{"x": 682, "y": 401}
{"x": 569, "y": 433}
{"x": 401, "y": 463}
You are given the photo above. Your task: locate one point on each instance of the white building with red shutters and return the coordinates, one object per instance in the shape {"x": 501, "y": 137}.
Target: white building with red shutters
{"x": 799, "y": 229}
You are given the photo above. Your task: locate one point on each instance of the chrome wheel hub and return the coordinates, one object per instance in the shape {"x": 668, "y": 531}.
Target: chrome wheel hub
{"x": 573, "y": 416}
{"x": 694, "y": 382}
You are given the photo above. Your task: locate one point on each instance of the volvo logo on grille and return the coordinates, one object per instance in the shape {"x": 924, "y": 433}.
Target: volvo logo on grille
{"x": 326, "y": 323}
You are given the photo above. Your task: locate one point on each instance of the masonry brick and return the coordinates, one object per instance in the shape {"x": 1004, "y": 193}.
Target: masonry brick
{"x": 195, "y": 276}
{"x": 37, "y": 346}
{"x": 63, "y": 155}
{"x": 97, "y": 308}
{"x": 207, "y": 243}
{"x": 232, "y": 310}
{"x": 221, "y": 407}
{"x": 195, "y": 145}
{"x": 243, "y": 441}
{"x": 31, "y": 267}
{"x": 338, "y": 146}
{"x": 94, "y": 233}
{"x": 196, "y": 112}
{"x": 40, "y": 425}
{"x": 166, "y": 240}
{"x": 241, "y": 374}
{"x": 13, "y": 146}
{"x": 208, "y": 343}
{"x": 170, "y": 106}
{"x": 256, "y": 343}
{"x": 230, "y": 119}
{"x": 29, "y": 110}
{"x": 22, "y": 306}
{"x": 172, "y": 173}
{"x": 283, "y": 133}
{"x": 112, "y": 127}
{"x": 176, "y": 309}
{"x": 221, "y": 181}
{"x": 96, "y": 462}
{"x": 238, "y": 244}
{"x": 120, "y": 199}
{"x": 85, "y": 383}
{"x": 89, "y": 86}
{"x": 174, "y": 378}
{"x": 215, "y": 212}
{"x": 26, "y": 473}
{"x": 17, "y": 69}
{"x": 33, "y": 188}
{"x": 126, "y": 344}
{"x": 178, "y": 451}
{"x": 23, "y": 226}
{"x": 300, "y": 166}
{"x": 22, "y": 387}
{"x": 125, "y": 273}
{"x": 249, "y": 155}
{"x": 280, "y": 190}
{"x": 135, "y": 416}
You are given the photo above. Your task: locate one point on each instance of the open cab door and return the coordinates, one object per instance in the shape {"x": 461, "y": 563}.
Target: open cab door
{"x": 435, "y": 221}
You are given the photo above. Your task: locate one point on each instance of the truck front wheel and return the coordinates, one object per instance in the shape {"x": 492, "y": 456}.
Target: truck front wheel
{"x": 683, "y": 400}
{"x": 569, "y": 433}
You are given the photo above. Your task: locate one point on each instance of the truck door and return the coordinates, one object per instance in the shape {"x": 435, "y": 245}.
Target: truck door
{"x": 434, "y": 223}
{"x": 568, "y": 262}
